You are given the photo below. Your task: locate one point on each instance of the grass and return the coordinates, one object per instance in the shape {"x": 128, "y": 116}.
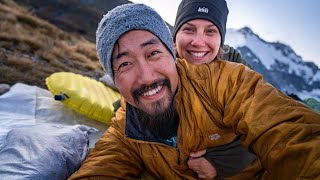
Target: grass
{"x": 31, "y": 49}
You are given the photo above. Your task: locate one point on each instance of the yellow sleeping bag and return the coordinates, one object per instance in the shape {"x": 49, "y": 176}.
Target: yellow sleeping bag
{"x": 83, "y": 94}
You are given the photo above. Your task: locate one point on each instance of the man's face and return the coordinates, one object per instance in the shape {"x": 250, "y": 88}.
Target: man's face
{"x": 144, "y": 71}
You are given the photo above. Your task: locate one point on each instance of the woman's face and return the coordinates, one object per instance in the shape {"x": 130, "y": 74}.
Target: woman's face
{"x": 198, "y": 41}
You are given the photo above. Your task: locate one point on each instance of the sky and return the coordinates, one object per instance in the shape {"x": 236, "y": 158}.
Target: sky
{"x": 291, "y": 22}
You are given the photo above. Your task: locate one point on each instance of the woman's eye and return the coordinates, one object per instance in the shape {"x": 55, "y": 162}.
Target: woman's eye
{"x": 212, "y": 31}
{"x": 188, "y": 29}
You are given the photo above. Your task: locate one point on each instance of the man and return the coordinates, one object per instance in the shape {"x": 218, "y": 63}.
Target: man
{"x": 171, "y": 108}
{"x": 202, "y": 48}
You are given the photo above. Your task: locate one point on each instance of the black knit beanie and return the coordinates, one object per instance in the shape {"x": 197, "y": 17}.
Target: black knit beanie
{"x": 215, "y": 11}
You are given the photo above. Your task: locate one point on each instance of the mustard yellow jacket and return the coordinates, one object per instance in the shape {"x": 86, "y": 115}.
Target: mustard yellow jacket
{"x": 216, "y": 102}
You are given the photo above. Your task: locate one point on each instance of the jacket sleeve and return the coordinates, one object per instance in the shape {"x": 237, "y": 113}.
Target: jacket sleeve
{"x": 111, "y": 158}
{"x": 282, "y": 132}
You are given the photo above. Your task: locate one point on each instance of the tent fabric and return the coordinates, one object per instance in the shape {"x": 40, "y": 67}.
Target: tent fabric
{"x": 44, "y": 151}
{"x": 24, "y": 105}
{"x": 32, "y": 122}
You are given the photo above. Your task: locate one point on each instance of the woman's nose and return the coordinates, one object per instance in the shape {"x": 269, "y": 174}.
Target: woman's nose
{"x": 198, "y": 40}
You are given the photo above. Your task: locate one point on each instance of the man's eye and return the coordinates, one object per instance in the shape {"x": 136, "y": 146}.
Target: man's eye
{"x": 154, "y": 53}
{"x": 123, "y": 65}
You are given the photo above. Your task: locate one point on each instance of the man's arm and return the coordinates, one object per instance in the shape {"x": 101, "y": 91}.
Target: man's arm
{"x": 111, "y": 158}
{"x": 283, "y": 133}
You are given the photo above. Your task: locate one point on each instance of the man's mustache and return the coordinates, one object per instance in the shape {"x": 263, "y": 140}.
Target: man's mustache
{"x": 144, "y": 88}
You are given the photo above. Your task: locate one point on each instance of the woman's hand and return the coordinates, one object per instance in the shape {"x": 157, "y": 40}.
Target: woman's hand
{"x": 200, "y": 165}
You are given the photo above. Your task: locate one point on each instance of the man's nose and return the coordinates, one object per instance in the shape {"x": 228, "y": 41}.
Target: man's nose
{"x": 146, "y": 72}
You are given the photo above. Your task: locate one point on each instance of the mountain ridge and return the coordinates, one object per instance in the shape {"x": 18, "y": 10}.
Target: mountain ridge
{"x": 278, "y": 63}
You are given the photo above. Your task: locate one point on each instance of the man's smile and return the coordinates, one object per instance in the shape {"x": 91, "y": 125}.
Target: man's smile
{"x": 153, "y": 91}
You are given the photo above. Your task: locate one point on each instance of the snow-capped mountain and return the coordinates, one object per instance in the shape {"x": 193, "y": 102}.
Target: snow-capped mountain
{"x": 278, "y": 63}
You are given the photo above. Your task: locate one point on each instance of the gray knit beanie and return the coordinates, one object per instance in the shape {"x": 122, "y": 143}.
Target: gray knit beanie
{"x": 122, "y": 19}
{"x": 215, "y": 11}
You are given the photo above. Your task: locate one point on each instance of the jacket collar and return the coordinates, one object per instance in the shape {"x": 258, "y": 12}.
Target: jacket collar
{"x": 134, "y": 128}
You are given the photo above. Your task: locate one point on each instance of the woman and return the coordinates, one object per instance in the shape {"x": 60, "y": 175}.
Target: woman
{"x": 214, "y": 14}
{"x": 199, "y": 34}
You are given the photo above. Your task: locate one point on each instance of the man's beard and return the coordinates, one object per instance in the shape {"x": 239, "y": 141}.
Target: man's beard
{"x": 163, "y": 122}
{"x": 163, "y": 125}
